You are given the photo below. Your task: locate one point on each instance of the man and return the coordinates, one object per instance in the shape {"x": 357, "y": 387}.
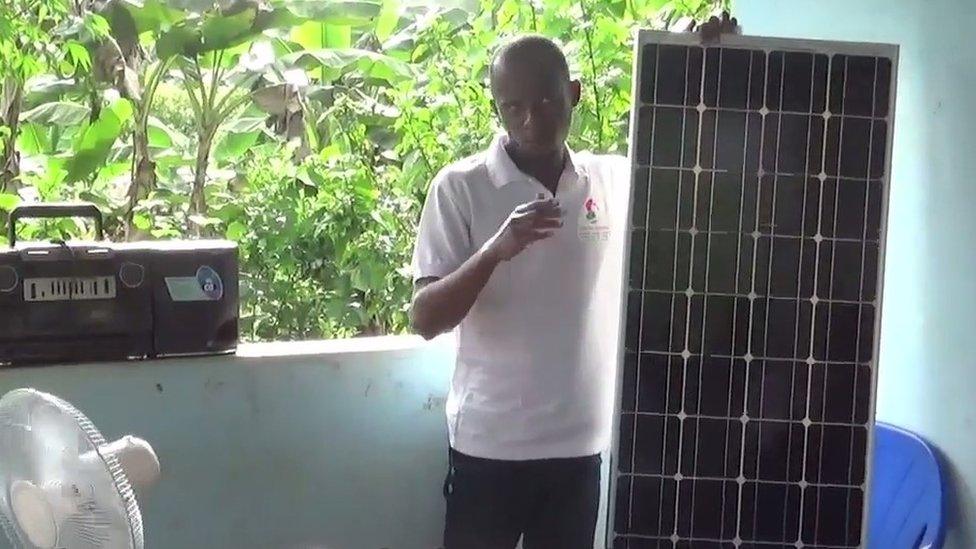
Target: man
{"x": 520, "y": 249}
{"x": 516, "y": 249}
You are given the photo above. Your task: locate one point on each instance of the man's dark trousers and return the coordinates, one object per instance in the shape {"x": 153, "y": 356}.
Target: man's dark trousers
{"x": 553, "y": 503}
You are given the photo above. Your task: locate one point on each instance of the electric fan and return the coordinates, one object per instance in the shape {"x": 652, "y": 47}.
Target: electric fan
{"x": 62, "y": 486}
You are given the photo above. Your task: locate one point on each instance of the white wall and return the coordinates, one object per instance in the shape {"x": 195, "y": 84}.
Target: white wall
{"x": 927, "y": 368}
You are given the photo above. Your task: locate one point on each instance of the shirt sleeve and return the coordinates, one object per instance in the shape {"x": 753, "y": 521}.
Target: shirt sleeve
{"x": 444, "y": 235}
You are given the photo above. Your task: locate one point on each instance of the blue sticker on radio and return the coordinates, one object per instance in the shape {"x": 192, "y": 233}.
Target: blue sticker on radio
{"x": 210, "y": 283}
{"x": 205, "y": 286}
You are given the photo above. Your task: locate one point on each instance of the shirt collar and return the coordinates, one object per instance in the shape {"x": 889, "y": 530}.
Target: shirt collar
{"x": 502, "y": 170}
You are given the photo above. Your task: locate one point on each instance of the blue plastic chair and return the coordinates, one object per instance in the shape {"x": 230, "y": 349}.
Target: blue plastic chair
{"x": 906, "y": 492}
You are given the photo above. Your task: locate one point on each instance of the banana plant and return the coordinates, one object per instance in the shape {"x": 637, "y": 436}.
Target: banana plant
{"x": 334, "y": 56}
{"x": 249, "y": 53}
{"x": 136, "y": 75}
{"x": 212, "y": 58}
{"x": 36, "y": 37}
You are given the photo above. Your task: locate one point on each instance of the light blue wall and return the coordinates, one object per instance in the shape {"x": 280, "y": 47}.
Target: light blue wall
{"x": 927, "y": 369}
{"x": 330, "y": 451}
{"x": 320, "y": 445}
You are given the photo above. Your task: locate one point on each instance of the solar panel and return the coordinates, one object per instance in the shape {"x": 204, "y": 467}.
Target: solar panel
{"x": 746, "y": 394}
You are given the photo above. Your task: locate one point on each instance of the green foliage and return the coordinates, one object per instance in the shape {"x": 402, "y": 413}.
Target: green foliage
{"x": 327, "y": 234}
{"x": 37, "y": 37}
{"x": 26, "y": 40}
{"x": 95, "y": 140}
{"x": 307, "y": 131}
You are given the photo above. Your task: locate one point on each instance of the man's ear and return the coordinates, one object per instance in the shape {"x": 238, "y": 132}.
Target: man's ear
{"x": 575, "y": 92}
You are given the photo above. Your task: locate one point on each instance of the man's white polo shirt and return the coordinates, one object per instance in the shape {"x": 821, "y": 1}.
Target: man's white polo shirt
{"x": 536, "y": 354}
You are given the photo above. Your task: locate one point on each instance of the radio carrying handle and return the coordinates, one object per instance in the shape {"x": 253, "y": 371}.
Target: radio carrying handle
{"x": 55, "y": 210}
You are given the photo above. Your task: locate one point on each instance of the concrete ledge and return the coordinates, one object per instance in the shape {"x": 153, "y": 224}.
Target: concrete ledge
{"x": 339, "y": 346}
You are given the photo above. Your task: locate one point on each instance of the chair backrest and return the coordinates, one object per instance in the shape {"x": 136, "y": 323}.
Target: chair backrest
{"x": 906, "y": 492}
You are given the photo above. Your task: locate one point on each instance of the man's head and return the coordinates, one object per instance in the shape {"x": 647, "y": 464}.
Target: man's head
{"x": 533, "y": 94}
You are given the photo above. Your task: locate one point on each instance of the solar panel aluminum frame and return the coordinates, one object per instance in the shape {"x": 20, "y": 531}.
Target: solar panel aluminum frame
{"x": 644, "y": 37}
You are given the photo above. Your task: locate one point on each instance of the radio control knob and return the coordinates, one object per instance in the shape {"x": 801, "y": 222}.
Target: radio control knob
{"x": 8, "y": 279}
{"x": 132, "y": 275}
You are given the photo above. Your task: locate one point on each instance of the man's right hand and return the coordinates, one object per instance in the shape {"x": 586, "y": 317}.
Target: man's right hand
{"x": 528, "y": 223}
{"x": 440, "y": 304}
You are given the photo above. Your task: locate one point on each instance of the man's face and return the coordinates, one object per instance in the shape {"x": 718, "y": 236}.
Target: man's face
{"x": 535, "y": 106}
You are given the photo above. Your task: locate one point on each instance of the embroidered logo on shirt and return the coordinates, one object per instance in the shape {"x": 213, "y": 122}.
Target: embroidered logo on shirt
{"x": 591, "y": 210}
{"x": 593, "y": 225}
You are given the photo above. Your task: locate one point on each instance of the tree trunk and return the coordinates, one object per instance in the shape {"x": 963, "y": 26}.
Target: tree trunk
{"x": 198, "y": 203}
{"x": 143, "y": 176}
{"x": 10, "y": 103}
